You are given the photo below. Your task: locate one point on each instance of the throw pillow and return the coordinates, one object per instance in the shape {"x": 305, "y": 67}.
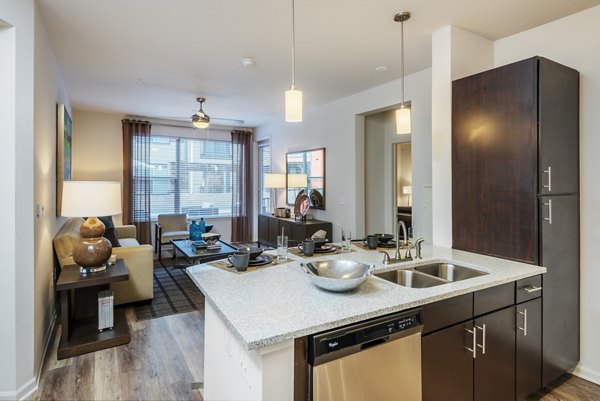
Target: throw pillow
{"x": 110, "y": 233}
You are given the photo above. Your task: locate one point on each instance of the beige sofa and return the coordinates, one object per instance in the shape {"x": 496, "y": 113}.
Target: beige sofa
{"x": 138, "y": 259}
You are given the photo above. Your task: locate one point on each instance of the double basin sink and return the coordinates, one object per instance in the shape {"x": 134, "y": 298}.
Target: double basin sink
{"x": 430, "y": 275}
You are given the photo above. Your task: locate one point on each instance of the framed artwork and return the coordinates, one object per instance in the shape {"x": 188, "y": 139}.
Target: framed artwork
{"x": 64, "y": 146}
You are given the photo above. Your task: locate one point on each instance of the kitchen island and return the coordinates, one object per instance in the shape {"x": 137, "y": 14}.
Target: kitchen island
{"x": 252, "y": 319}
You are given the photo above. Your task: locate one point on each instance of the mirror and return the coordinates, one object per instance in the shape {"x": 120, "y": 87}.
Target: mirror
{"x": 305, "y": 170}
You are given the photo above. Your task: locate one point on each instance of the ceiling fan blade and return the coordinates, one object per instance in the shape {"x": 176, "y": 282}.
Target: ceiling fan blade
{"x": 180, "y": 118}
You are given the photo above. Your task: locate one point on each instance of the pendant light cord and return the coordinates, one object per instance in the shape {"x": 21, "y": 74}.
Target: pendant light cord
{"x": 402, "y": 58}
{"x": 293, "y": 47}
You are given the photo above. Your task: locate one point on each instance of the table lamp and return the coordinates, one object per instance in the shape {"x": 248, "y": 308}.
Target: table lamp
{"x": 90, "y": 199}
{"x": 274, "y": 181}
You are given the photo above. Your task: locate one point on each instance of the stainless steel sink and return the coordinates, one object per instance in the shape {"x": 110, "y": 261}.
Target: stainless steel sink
{"x": 449, "y": 271}
{"x": 411, "y": 278}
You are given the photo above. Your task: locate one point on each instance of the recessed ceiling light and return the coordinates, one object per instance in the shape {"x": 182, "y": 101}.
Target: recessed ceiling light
{"x": 247, "y": 62}
{"x": 381, "y": 68}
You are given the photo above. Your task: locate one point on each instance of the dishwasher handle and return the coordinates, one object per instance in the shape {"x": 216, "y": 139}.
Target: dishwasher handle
{"x": 373, "y": 343}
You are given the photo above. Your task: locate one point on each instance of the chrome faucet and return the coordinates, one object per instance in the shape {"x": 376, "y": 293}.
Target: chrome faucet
{"x": 400, "y": 224}
{"x": 417, "y": 246}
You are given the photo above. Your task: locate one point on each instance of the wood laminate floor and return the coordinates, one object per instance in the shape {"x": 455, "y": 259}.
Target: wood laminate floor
{"x": 164, "y": 358}
{"x": 568, "y": 388}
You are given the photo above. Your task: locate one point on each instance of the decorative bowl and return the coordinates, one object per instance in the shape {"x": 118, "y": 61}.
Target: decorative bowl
{"x": 211, "y": 238}
{"x": 337, "y": 275}
{"x": 254, "y": 251}
{"x": 383, "y": 238}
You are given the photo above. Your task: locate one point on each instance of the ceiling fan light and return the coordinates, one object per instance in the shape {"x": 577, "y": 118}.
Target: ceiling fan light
{"x": 200, "y": 120}
{"x": 403, "y": 123}
{"x": 293, "y": 105}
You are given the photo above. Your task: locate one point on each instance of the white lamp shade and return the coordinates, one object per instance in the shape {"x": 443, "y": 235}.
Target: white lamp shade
{"x": 403, "y": 125}
{"x": 297, "y": 181}
{"x": 407, "y": 190}
{"x": 293, "y": 105}
{"x": 274, "y": 180}
{"x": 91, "y": 198}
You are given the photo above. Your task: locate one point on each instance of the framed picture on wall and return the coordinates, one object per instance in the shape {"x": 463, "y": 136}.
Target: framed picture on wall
{"x": 64, "y": 146}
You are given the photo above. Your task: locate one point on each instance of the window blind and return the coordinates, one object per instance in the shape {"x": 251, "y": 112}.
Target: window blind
{"x": 191, "y": 176}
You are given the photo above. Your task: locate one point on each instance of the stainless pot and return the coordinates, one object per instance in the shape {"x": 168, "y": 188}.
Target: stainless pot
{"x": 337, "y": 275}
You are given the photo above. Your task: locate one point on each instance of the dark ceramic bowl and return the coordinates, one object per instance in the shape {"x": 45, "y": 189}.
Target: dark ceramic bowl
{"x": 383, "y": 238}
{"x": 254, "y": 251}
{"x": 319, "y": 242}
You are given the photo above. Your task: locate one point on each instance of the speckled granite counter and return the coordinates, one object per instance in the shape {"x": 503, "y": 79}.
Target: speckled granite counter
{"x": 277, "y": 304}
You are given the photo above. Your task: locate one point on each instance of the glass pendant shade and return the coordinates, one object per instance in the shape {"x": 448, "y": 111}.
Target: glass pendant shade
{"x": 293, "y": 105}
{"x": 403, "y": 125}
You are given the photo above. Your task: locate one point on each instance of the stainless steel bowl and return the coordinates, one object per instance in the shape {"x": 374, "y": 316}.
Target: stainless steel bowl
{"x": 337, "y": 275}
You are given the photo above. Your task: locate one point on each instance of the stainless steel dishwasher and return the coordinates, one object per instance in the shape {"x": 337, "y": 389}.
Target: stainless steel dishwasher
{"x": 375, "y": 360}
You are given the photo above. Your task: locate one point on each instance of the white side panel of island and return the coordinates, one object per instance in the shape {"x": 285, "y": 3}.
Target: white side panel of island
{"x": 231, "y": 372}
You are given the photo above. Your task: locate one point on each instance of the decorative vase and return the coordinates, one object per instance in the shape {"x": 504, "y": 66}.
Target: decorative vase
{"x": 202, "y": 226}
{"x": 195, "y": 232}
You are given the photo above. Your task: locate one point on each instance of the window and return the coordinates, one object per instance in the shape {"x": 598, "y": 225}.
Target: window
{"x": 190, "y": 176}
{"x": 264, "y": 167}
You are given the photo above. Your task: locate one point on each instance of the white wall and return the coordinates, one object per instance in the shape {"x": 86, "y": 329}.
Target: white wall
{"x": 339, "y": 127}
{"x": 16, "y": 212}
{"x": 49, "y": 90}
{"x": 574, "y": 41}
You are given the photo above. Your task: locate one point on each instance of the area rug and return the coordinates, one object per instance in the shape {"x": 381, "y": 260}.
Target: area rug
{"x": 174, "y": 292}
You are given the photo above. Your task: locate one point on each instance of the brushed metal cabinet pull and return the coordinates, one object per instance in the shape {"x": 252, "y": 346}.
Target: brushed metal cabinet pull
{"x": 482, "y": 345}
{"x": 531, "y": 289}
{"x": 549, "y": 204}
{"x": 549, "y": 186}
{"x": 474, "y": 349}
{"x": 524, "y": 328}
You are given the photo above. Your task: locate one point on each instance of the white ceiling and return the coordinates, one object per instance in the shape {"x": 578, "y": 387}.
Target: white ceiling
{"x": 182, "y": 49}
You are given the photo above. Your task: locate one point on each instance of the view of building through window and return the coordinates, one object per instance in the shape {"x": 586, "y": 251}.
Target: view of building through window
{"x": 190, "y": 176}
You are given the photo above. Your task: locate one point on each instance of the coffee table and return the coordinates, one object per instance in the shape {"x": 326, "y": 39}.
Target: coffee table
{"x": 182, "y": 247}
{"x": 79, "y": 319}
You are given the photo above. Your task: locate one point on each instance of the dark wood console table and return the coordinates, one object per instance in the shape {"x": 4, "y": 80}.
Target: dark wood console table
{"x": 79, "y": 319}
{"x": 269, "y": 227}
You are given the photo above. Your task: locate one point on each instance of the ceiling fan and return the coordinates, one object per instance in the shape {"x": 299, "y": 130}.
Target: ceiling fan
{"x": 202, "y": 120}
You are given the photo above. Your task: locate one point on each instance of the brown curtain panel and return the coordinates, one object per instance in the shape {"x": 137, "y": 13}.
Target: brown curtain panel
{"x": 241, "y": 191}
{"x": 136, "y": 178}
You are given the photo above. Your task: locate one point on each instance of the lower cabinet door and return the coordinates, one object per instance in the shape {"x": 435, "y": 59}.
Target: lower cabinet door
{"x": 529, "y": 347}
{"x": 447, "y": 364}
{"x": 494, "y": 378}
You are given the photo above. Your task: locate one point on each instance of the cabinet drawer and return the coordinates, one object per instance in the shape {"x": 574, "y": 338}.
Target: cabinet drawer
{"x": 528, "y": 288}
{"x": 493, "y": 298}
{"x": 447, "y": 312}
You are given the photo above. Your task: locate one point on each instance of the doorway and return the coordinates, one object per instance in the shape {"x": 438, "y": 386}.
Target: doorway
{"x": 403, "y": 185}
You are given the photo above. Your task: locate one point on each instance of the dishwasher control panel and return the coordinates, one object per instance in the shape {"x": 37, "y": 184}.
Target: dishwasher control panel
{"x": 364, "y": 334}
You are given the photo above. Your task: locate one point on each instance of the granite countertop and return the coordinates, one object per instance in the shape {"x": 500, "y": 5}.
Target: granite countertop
{"x": 277, "y": 304}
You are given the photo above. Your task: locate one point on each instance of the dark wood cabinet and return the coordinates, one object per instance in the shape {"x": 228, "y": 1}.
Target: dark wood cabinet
{"x": 474, "y": 360}
{"x": 269, "y": 227}
{"x": 495, "y": 363}
{"x": 515, "y": 159}
{"x": 529, "y": 348}
{"x": 447, "y": 365}
{"x": 560, "y": 254}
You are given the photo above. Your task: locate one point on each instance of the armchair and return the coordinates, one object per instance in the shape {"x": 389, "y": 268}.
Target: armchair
{"x": 169, "y": 227}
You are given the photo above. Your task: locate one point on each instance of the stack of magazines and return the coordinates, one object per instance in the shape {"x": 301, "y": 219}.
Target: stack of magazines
{"x": 105, "y": 309}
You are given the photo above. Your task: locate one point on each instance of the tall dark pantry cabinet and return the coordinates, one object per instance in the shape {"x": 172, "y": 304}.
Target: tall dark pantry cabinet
{"x": 515, "y": 186}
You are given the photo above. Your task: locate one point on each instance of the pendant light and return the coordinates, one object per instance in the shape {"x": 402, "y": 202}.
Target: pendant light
{"x": 293, "y": 96}
{"x": 200, "y": 119}
{"x": 403, "y": 123}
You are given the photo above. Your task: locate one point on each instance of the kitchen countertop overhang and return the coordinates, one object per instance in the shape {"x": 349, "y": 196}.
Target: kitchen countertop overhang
{"x": 277, "y": 304}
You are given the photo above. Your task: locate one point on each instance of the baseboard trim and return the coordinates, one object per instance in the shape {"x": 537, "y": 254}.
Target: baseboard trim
{"x": 22, "y": 392}
{"x": 587, "y": 374}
